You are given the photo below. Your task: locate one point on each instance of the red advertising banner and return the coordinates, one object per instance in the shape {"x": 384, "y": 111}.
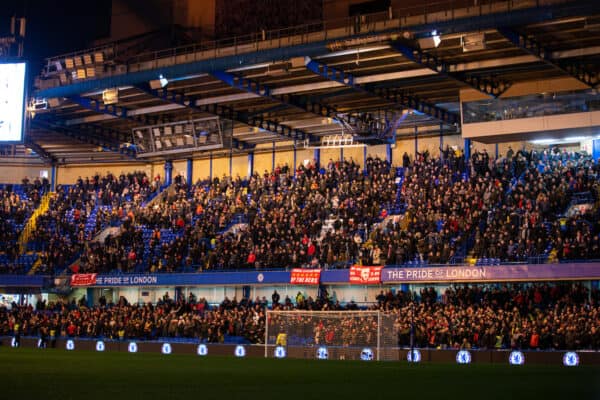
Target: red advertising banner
{"x": 83, "y": 279}
{"x": 365, "y": 275}
{"x": 305, "y": 276}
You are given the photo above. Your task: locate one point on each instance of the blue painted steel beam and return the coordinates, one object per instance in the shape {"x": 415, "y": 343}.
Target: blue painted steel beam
{"x": 466, "y": 24}
{"x": 39, "y": 150}
{"x": 168, "y": 172}
{"x": 85, "y": 135}
{"x": 114, "y": 110}
{"x": 190, "y": 172}
{"x": 276, "y": 108}
{"x": 97, "y": 131}
{"x": 570, "y": 67}
{"x": 486, "y": 85}
{"x": 396, "y": 96}
{"x": 226, "y": 112}
{"x": 106, "y": 132}
{"x": 399, "y": 96}
{"x": 303, "y": 103}
{"x": 523, "y": 16}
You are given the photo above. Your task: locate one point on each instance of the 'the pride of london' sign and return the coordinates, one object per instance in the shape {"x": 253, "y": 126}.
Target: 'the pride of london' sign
{"x": 503, "y": 273}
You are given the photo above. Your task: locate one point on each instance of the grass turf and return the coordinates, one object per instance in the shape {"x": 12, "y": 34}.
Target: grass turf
{"x": 57, "y": 374}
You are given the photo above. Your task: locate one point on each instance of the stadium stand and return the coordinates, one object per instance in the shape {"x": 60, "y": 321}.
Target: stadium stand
{"x": 503, "y": 317}
{"x": 513, "y": 209}
{"x": 297, "y": 146}
{"x": 441, "y": 211}
{"x": 18, "y": 204}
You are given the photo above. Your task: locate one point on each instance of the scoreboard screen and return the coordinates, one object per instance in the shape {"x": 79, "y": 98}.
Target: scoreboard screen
{"x": 12, "y": 101}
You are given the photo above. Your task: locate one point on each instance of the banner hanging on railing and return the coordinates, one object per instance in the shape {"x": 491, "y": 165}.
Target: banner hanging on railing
{"x": 502, "y": 273}
{"x": 301, "y": 276}
{"x": 83, "y": 279}
{"x": 362, "y": 275}
{"x": 213, "y": 278}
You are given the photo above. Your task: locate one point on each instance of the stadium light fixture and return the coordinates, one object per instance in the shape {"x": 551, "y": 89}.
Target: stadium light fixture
{"x": 436, "y": 38}
{"x": 473, "y": 42}
{"x": 430, "y": 42}
{"x": 159, "y": 83}
{"x": 110, "y": 96}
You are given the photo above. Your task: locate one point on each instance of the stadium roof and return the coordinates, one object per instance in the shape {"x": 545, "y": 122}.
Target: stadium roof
{"x": 322, "y": 80}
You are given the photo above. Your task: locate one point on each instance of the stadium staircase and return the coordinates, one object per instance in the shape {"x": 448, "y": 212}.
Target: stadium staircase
{"x": 29, "y": 227}
{"x": 34, "y": 267}
{"x": 398, "y": 207}
{"x": 238, "y": 222}
{"x": 162, "y": 192}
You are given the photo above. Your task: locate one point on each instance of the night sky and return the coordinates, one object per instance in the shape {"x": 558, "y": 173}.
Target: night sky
{"x": 56, "y": 26}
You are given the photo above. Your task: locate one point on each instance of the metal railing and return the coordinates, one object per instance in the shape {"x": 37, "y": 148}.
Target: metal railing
{"x": 30, "y": 226}
{"x": 395, "y": 18}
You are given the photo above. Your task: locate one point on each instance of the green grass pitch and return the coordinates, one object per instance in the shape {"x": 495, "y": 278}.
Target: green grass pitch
{"x": 58, "y": 374}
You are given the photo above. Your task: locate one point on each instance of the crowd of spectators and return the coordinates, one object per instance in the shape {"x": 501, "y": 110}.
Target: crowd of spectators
{"x": 283, "y": 218}
{"x": 191, "y": 319}
{"x": 527, "y": 216}
{"x": 548, "y": 316}
{"x": 17, "y": 203}
{"x": 511, "y": 209}
{"x": 62, "y": 233}
{"x": 499, "y": 317}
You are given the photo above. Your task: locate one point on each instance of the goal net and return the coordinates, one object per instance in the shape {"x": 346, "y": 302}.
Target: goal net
{"x": 332, "y": 334}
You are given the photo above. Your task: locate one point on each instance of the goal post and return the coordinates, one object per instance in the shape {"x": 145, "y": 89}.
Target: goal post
{"x": 345, "y": 334}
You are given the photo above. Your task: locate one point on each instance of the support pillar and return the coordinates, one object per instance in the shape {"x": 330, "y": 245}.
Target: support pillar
{"x": 596, "y": 150}
{"x": 295, "y": 161}
{"x": 190, "y": 172}
{"x": 442, "y": 141}
{"x": 250, "y": 164}
{"x": 168, "y": 172}
{"x": 89, "y": 297}
{"x": 273, "y": 158}
{"x": 210, "y": 167}
{"x": 496, "y": 151}
{"x": 365, "y": 159}
{"x": 416, "y": 141}
{"x": 467, "y": 145}
{"x": 53, "y": 178}
{"x": 317, "y": 157}
{"x": 388, "y": 153}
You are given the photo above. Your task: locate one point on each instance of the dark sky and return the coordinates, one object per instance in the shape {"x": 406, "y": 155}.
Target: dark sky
{"x": 56, "y": 26}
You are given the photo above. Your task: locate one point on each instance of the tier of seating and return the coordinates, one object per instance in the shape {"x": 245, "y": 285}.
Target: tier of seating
{"x": 17, "y": 203}
{"x": 76, "y": 213}
{"x": 536, "y": 317}
{"x": 524, "y": 207}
